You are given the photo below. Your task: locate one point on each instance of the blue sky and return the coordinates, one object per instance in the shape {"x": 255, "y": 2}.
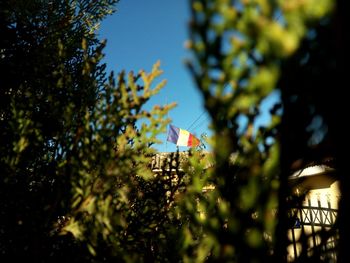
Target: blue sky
{"x": 138, "y": 35}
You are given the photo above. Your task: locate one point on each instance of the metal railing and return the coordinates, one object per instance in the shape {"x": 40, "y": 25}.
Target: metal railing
{"x": 313, "y": 222}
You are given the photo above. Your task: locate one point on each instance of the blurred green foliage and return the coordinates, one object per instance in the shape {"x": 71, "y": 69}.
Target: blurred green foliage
{"x": 241, "y": 50}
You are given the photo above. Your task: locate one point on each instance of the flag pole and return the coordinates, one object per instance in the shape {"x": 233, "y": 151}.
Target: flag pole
{"x": 167, "y": 116}
{"x": 166, "y": 141}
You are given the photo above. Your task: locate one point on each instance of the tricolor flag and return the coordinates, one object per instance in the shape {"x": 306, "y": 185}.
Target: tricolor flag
{"x": 182, "y": 137}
